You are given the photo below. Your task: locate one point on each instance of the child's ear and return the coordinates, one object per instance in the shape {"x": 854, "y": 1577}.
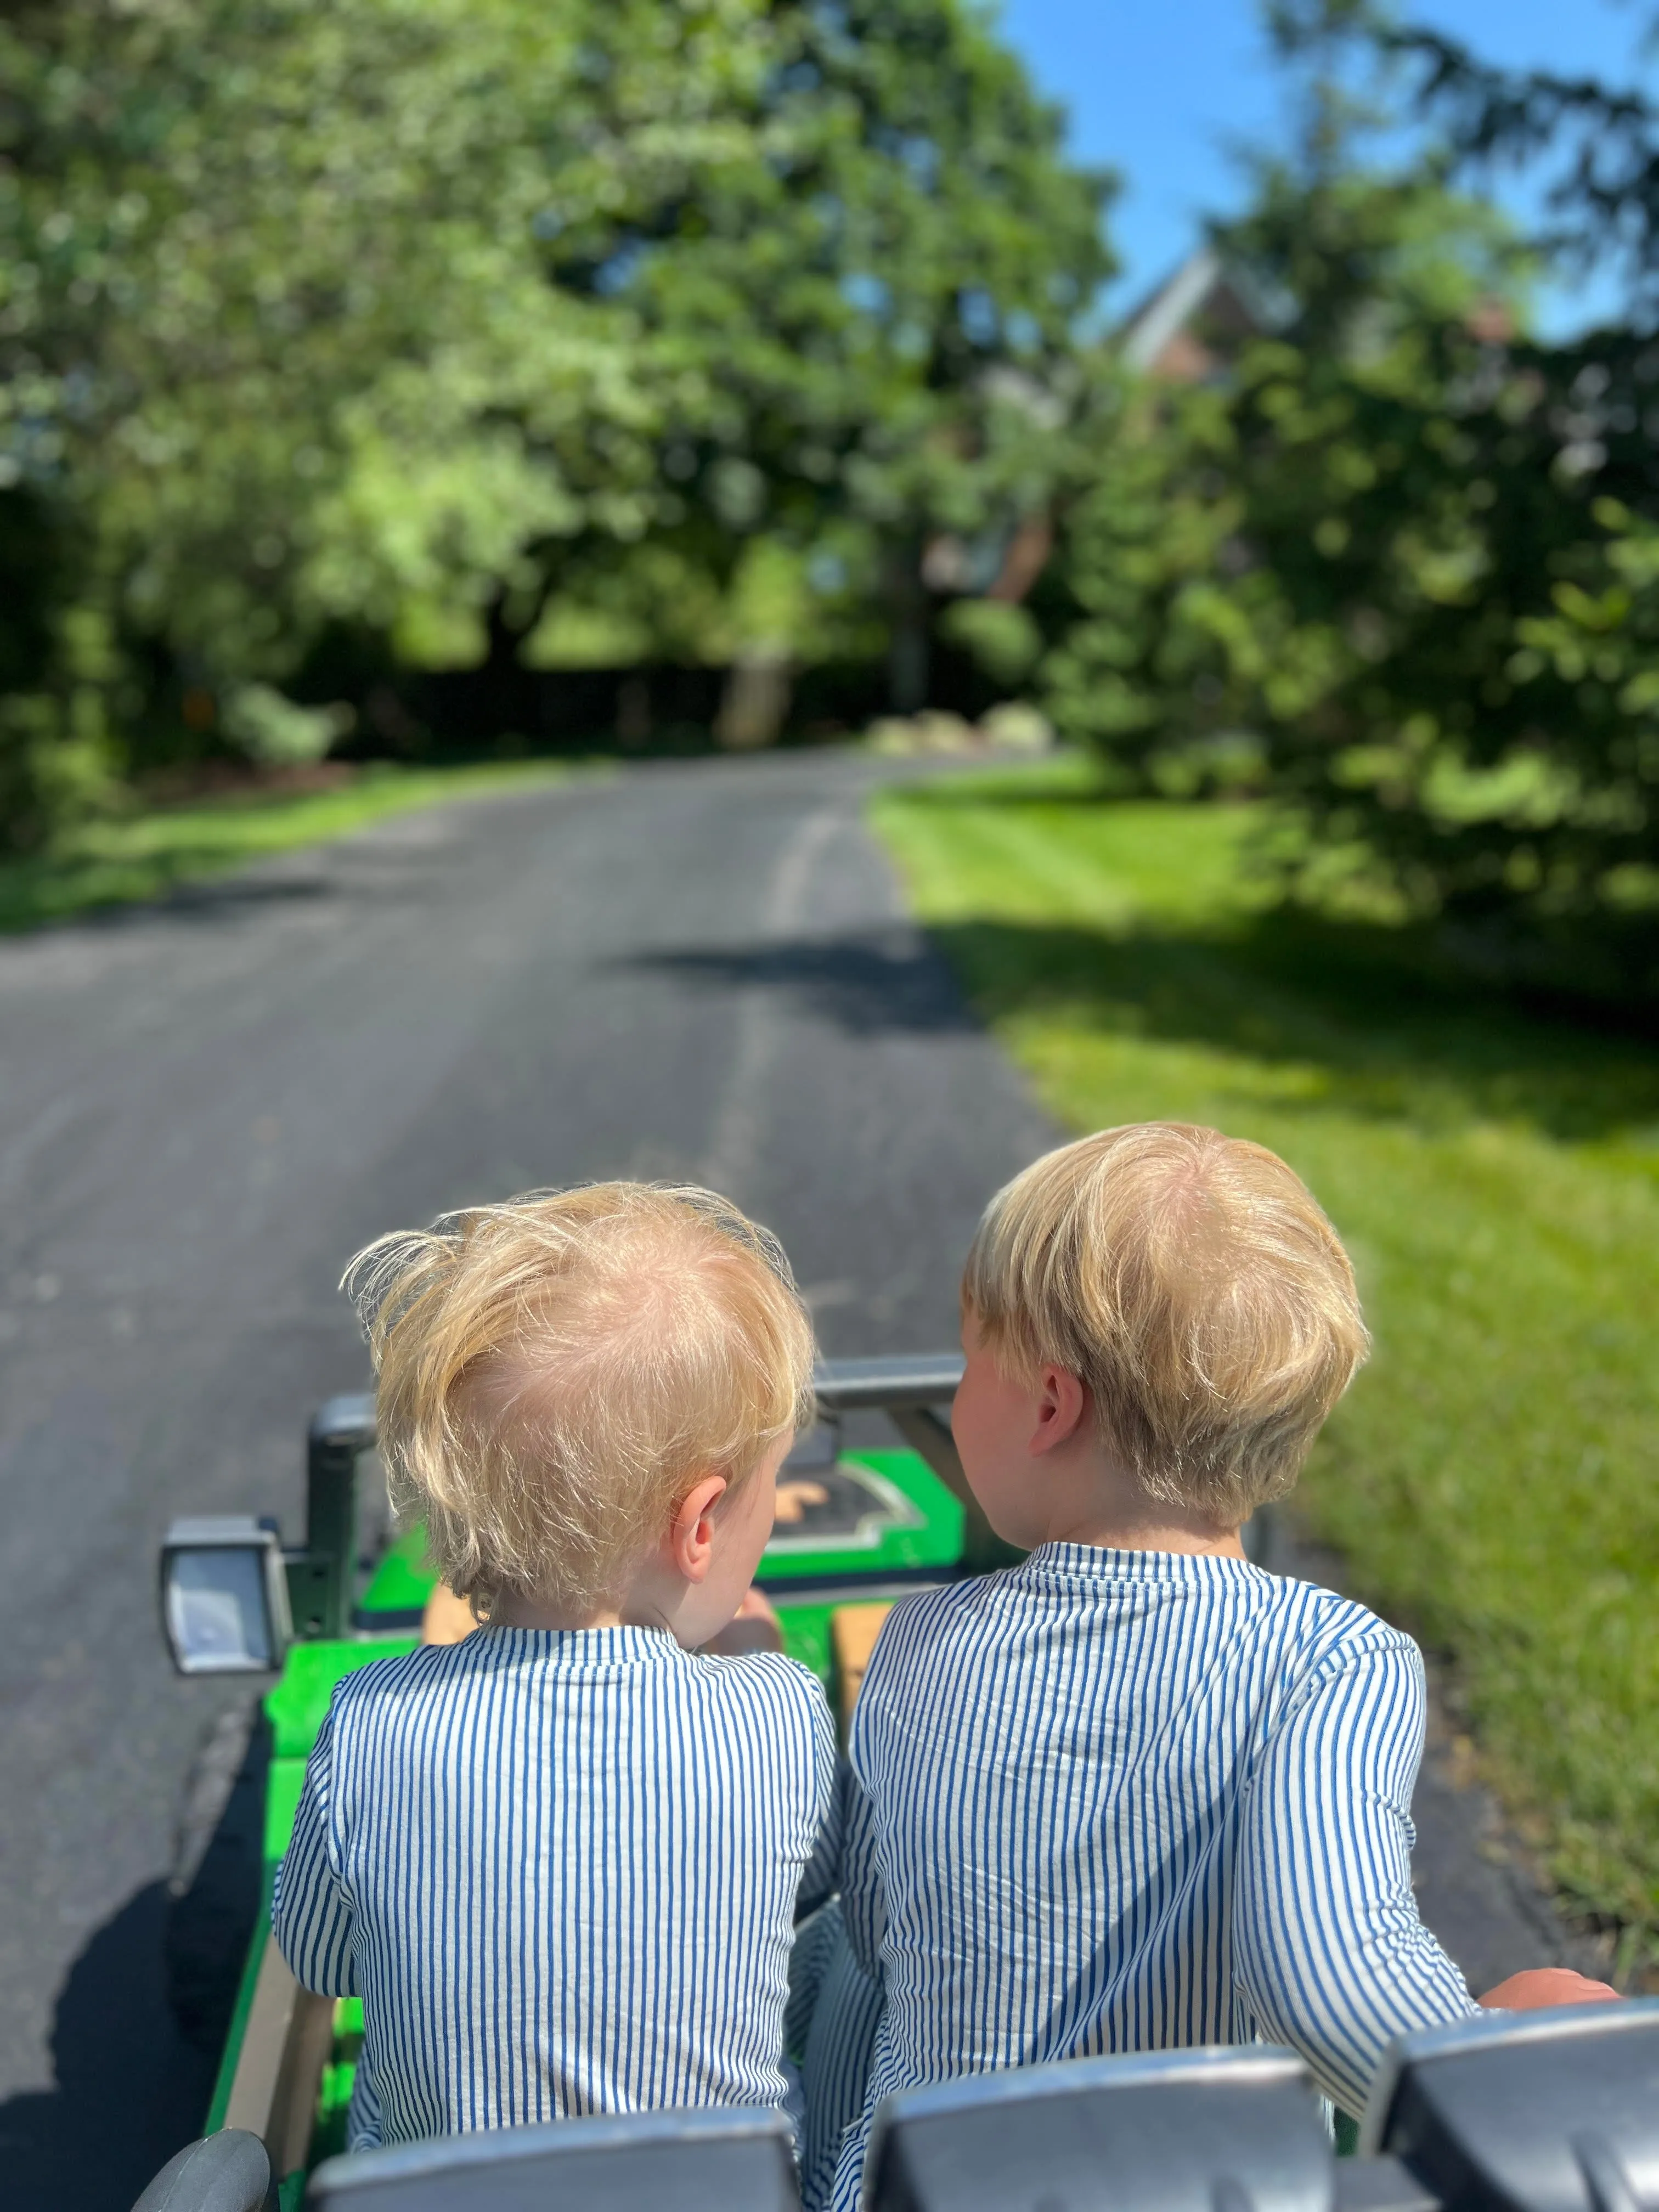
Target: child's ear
{"x": 691, "y": 1530}
{"x": 1061, "y": 1403}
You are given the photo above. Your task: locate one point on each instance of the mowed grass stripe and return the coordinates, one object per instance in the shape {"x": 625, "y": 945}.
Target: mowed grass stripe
{"x": 1489, "y": 1478}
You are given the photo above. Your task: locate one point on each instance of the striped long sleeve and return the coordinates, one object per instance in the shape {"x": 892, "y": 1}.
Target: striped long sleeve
{"x": 862, "y": 1911}
{"x": 311, "y": 1912}
{"x": 561, "y": 1870}
{"x": 1121, "y": 1800}
{"x": 1330, "y": 1955}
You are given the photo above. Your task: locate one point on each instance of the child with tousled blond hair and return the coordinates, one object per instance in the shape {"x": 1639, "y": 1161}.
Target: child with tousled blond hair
{"x": 1135, "y": 1793}
{"x": 560, "y": 1860}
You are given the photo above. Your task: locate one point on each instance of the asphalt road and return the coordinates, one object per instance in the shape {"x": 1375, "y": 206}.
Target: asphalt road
{"x": 696, "y": 971}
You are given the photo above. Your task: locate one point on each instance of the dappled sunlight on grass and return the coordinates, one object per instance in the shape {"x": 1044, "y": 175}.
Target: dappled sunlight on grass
{"x": 1496, "y": 1174}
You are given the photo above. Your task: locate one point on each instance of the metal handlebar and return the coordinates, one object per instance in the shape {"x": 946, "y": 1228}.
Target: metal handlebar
{"x": 901, "y": 1382}
{"x": 908, "y": 1386}
{"x": 841, "y": 1386}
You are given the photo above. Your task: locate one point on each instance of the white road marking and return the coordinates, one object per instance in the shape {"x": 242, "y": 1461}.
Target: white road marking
{"x": 735, "y": 1137}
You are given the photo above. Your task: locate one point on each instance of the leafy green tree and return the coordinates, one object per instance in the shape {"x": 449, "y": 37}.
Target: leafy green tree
{"x": 1593, "y": 146}
{"x": 1407, "y": 549}
{"x": 881, "y": 305}
{"x": 279, "y": 349}
{"x": 457, "y": 328}
{"x": 1193, "y": 557}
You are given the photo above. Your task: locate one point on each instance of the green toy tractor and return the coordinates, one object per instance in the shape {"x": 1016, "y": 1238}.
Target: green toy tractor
{"x": 1533, "y": 2112}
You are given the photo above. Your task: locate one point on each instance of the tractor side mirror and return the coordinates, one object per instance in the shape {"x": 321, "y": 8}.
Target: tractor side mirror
{"x": 224, "y": 1595}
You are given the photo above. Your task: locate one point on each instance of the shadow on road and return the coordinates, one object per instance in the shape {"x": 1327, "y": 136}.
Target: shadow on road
{"x": 128, "y": 2089}
{"x": 1332, "y": 1013}
{"x": 356, "y": 875}
{"x": 865, "y": 982}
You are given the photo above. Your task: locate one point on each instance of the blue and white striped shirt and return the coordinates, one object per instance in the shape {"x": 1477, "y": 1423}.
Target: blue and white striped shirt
{"x": 1115, "y": 1801}
{"x": 561, "y": 1870}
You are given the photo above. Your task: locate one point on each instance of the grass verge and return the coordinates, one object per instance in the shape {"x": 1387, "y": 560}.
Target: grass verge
{"x": 121, "y": 858}
{"x": 1496, "y": 1175}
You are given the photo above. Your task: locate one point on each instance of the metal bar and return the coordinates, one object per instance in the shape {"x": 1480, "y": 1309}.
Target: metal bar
{"x": 321, "y": 1583}
{"x": 843, "y": 1386}
{"x": 320, "y": 1578}
{"x": 279, "y": 2068}
{"x": 345, "y": 1420}
{"x": 929, "y": 1437}
{"x": 846, "y": 1386}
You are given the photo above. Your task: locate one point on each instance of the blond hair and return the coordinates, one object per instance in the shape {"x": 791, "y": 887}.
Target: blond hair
{"x": 1191, "y": 1282}
{"x": 555, "y": 1373}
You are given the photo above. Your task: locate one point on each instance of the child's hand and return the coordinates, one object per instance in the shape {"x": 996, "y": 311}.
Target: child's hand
{"x": 754, "y": 1627}
{"x": 1541, "y": 1986}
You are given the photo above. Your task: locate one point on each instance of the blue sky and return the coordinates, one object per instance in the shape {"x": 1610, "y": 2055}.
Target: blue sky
{"x": 1156, "y": 89}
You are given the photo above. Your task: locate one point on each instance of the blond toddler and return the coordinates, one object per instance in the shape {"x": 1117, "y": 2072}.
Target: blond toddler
{"x": 1135, "y": 1793}
{"x": 560, "y": 1860}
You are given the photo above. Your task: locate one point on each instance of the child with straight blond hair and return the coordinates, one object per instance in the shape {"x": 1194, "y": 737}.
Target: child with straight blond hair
{"x": 1135, "y": 1793}
{"x": 560, "y": 1860}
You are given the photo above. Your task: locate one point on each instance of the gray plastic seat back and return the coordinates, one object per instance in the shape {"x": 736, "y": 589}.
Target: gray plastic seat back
{"x": 731, "y": 2160}
{"x": 1222, "y": 2130}
{"x": 1528, "y": 2111}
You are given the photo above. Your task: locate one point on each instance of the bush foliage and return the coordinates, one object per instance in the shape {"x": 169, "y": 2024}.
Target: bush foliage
{"x": 1397, "y": 566}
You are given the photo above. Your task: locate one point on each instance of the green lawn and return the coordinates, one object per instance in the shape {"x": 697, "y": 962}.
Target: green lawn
{"x": 142, "y": 855}
{"x": 1489, "y": 1478}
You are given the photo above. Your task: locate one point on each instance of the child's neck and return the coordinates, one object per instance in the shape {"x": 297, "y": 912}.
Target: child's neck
{"x": 1090, "y": 1499}
{"x": 517, "y": 1609}
{"x": 1158, "y": 1529}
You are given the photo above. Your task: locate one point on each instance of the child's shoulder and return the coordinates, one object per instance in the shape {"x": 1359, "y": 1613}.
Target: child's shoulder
{"x": 761, "y": 1677}
{"x": 435, "y": 1667}
{"x": 1309, "y": 1639}
{"x": 762, "y": 1704}
{"x": 424, "y": 1669}
{"x": 929, "y": 1618}
{"x": 1321, "y": 1624}
{"x": 1305, "y": 1627}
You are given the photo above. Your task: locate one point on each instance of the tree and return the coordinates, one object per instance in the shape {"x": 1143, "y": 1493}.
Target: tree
{"x": 279, "y": 349}
{"x": 1407, "y": 550}
{"x": 420, "y": 331}
{"x": 1596, "y": 146}
{"x": 883, "y": 298}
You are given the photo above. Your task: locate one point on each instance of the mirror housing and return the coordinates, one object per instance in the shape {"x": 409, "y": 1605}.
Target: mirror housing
{"x": 224, "y": 1595}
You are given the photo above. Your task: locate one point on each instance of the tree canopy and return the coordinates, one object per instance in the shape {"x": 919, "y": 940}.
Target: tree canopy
{"x": 1401, "y": 561}
{"x": 405, "y": 332}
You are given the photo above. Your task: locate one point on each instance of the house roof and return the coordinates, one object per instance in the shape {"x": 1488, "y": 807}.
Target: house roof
{"x": 1175, "y": 329}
